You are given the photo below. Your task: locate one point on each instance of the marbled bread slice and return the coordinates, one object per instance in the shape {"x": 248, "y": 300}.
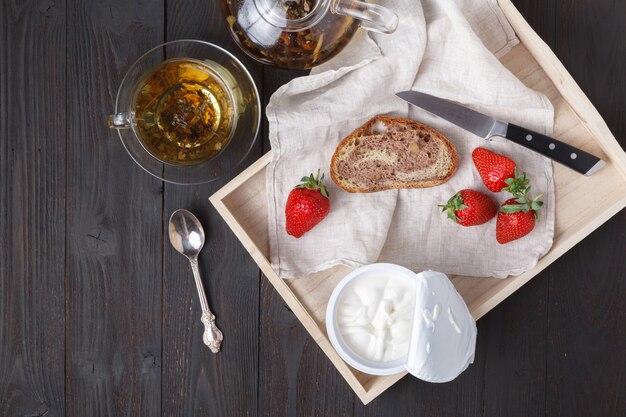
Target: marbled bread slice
{"x": 391, "y": 152}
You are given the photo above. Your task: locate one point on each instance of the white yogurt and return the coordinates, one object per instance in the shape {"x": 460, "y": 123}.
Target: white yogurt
{"x": 374, "y": 314}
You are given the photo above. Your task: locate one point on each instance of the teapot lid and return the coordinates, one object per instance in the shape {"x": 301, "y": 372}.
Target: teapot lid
{"x": 292, "y": 15}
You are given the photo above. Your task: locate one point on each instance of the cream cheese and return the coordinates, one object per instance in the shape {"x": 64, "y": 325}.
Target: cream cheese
{"x": 374, "y": 316}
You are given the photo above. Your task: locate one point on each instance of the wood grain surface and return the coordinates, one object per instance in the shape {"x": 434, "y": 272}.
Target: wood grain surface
{"x": 99, "y": 315}
{"x": 586, "y": 338}
{"x": 32, "y": 208}
{"x": 114, "y": 239}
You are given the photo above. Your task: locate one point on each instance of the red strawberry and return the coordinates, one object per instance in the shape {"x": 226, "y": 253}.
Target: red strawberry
{"x": 307, "y": 205}
{"x": 470, "y": 208}
{"x": 493, "y": 168}
{"x": 516, "y": 218}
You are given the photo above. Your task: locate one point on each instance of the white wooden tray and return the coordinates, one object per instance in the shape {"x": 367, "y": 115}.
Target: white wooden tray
{"x": 243, "y": 203}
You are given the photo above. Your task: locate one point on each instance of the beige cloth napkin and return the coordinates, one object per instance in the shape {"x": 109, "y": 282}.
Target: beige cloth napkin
{"x": 442, "y": 47}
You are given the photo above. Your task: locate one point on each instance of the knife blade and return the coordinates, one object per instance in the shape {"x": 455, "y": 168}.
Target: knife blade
{"x": 486, "y": 127}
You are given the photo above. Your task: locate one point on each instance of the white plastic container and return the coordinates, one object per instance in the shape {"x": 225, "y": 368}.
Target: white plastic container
{"x": 442, "y": 335}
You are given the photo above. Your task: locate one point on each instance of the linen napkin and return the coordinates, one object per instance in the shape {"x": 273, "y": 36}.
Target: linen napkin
{"x": 442, "y": 47}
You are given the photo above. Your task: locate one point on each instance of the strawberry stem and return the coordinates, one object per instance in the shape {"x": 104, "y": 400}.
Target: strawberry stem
{"x": 524, "y": 204}
{"x": 314, "y": 183}
{"x": 518, "y": 185}
{"x": 455, "y": 203}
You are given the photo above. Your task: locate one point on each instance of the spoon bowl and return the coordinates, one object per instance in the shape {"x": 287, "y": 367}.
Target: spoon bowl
{"x": 186, "y": 233}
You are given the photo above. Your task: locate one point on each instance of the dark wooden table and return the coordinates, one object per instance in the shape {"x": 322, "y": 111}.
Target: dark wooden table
{"x": 99, "y": 316}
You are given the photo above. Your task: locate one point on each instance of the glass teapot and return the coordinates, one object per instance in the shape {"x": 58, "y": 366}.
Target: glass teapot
{"x": 300, "y": 34}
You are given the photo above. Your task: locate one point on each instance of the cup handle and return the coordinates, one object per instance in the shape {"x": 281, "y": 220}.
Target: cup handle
{"x": 372, "y": 16}
{"x": 119, "y": 121}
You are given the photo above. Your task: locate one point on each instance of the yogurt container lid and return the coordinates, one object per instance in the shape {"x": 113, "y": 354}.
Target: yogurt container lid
{"x": 443, "y": 337}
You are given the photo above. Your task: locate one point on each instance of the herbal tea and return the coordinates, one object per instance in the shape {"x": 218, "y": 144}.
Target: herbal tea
{"x": 288, "y": 48}
{"x": 183, "y": 111}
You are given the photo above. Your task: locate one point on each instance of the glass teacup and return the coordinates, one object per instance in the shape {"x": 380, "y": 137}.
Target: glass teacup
{"x": 187, "y": 112}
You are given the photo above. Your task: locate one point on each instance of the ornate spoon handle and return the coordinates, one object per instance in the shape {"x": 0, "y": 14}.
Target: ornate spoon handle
{"x": 212, "y": 336}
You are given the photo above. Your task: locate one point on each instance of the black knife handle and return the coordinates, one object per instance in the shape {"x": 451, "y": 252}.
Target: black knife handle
{"x": 563, "y": 153}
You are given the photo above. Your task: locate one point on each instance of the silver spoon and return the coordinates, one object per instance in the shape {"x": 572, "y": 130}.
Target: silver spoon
{"x": 187, "y": 237}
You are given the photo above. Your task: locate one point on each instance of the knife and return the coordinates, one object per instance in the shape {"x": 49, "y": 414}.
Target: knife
{"x": 486, "y": 127}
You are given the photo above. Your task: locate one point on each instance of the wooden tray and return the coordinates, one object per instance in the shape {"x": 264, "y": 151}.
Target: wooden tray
{"x": 243, "y": 203}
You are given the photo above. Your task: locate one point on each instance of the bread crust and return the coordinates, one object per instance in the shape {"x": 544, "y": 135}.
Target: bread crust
{"x": 390, "y": 121}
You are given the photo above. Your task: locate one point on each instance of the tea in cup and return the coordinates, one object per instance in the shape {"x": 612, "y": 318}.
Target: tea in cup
{"x": 186, "y": 110}
{"x": 182, "y": 112}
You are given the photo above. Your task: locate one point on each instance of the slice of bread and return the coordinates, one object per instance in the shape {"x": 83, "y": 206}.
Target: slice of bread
{"x": 389, "y": 153}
